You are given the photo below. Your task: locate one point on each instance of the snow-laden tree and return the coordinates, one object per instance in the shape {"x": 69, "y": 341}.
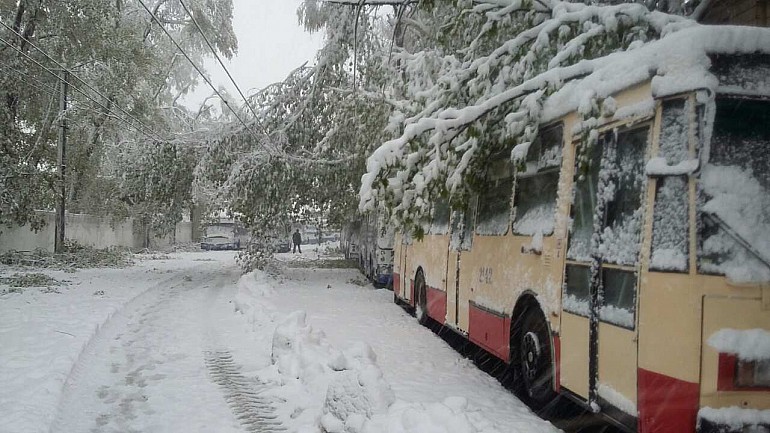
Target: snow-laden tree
{"x": 306, "y": 152}
{"x": 136, "y": 71}
{"x": 479, "y": 89}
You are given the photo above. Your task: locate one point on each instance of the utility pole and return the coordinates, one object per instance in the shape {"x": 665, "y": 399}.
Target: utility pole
{"x": 62, "y": 161}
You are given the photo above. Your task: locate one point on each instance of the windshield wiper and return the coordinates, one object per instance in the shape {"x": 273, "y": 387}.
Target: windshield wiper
{"x": 716, "y": 220}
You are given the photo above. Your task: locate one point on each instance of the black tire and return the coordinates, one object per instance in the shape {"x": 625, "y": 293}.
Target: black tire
{"x": 421, "y": 301}
{"x": 532, "y": 359}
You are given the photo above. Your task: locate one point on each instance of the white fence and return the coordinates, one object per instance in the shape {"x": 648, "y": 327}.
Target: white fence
{"x": 99, "y": 232}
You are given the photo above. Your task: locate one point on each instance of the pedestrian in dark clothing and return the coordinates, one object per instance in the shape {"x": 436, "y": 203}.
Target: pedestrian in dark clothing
{"x": 297, "y": 240}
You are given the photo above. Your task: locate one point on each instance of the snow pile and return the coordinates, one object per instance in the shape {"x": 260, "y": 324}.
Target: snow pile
{"x": 734, "y": 417}
{"x": 453, "y": 415}
{"x": 338, "y": 390}
{"x": 299, "y": 351}
{"x": 357, "y": 391}
{"x": 659, "y": 167}
{"x": 747, "y": 345}
{"x": 251, "y": 287}
{"x": 345, "y": 391}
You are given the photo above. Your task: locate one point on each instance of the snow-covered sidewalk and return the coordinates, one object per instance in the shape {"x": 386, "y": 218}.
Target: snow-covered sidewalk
{"x": 186, "y": 344}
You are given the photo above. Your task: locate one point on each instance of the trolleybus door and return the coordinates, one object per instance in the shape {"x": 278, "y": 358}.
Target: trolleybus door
{"x": 404, "y": 273}
{"x": 461, "y": 237}
{"x": 598, "y": 330}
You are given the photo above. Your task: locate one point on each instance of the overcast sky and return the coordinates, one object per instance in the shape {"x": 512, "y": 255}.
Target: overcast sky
{"x": 271, "y": 43}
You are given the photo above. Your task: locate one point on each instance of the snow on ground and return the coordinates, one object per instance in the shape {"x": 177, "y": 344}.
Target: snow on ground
{"x": 187, "y": 344}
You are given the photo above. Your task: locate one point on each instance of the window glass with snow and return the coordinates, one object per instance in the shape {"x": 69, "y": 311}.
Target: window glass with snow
{"x": 439, "y": 224}
{"x": 494, "y": 203}
{"x": 462, "y": 229}
{"x": 537, "y": 185}
{"x": 622, "y": 185}
{"x": 670, "y": 227}
{"x": 494, "y": 211}
{"x": 734, "y": 193}
{"x": 670, "y": 236}
{"x": 577, "y": 290}
{"x": 619, "y": 300}
{"x": 675, "y": 131}
{"x": 584, "y": 203}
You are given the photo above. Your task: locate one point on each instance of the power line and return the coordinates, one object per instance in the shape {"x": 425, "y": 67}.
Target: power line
{"x": 205, "y": 78}
{"x": 74, "y": 75}
{"x": 221, "y": 63}
{"x": 109, "y": 110}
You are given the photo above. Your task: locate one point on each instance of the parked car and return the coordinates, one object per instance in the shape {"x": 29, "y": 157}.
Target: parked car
{"x": 282, "y": 245}
{"x": 220, "y": 242}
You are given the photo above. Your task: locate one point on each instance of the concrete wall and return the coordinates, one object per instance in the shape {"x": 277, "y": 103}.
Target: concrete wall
{"x": 99, "y": 232}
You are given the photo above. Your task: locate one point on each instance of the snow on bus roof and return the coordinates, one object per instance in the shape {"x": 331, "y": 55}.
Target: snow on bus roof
{"x": 677, "y": 63}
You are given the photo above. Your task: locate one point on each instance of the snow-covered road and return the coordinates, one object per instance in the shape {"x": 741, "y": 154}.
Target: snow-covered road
{"x": 185, "y": 344}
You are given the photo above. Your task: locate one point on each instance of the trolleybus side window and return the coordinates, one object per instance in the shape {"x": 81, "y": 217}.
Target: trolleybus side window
{"x": 670, "y": 235}
{"x": 439, "y": 224}
{"x": 626, "y": 179}
{"x": 462, "y": 227}
{"x": 734, "y": 193}
{"x": 537, "y": 185}
{"x": 494, "y": 206}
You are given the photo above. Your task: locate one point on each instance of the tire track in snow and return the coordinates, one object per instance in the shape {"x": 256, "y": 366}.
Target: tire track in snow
{"x": 243, "y": 395}
{"x": 98, "y": 339}
{"x": 255, "y": 412}
{"x": 140, "y": 363}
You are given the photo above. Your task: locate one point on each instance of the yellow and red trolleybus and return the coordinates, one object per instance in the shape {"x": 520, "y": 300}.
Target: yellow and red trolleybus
{"x": 630, "y": 271}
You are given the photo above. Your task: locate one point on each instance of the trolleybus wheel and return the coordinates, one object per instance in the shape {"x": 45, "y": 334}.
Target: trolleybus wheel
{"x": 533, "y": 359}
{"x": 421, "y": 303}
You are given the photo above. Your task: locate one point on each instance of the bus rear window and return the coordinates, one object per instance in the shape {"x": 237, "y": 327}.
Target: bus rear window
{"x": 734, "y": 193}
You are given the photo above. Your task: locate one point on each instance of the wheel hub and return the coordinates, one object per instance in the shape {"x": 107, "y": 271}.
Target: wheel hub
{"x": 531, "y": 351}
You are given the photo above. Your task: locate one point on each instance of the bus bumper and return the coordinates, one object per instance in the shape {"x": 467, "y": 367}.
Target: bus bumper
{"x": 383, "y": 280}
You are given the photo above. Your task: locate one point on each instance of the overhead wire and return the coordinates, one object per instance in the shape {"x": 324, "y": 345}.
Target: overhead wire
{"x": 205, "y": 78}
{"x": 221, "y": 63}
{"x": 151, "y": 134}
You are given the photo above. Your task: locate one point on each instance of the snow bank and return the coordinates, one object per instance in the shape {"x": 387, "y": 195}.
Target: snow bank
{"x": 748, "y": 345}
{"x": 453, "y": 414}
{"x": 338, "y": 391}
{"x": 357, "y": 391}
{"x": 345, "y": 391}
{"x": 251, "y": 287}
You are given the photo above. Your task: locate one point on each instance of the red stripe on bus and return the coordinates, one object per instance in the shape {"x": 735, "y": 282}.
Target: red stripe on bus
{"x": 396, "y": 284}
{"x": 666, "y": 404}
{"x": 490, "y": 331}
{"x": 436, "y": 304}
{"x": 726, "y": 375}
